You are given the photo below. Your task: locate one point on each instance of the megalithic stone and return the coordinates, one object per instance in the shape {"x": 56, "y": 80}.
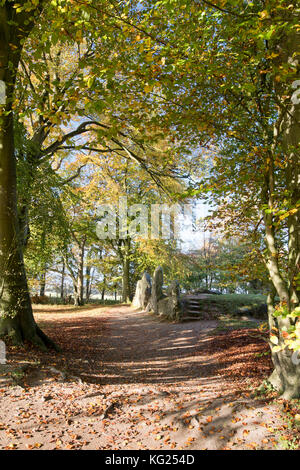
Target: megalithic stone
{"x": 146, "y": 289}
{"x": 137, "y": 299}
{"x": 157, "y": 288}
{"x": 142, "y": 292}
{"x": 2, "y": 352}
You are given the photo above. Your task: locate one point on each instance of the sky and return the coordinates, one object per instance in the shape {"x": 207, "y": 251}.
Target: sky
{"x": 192, "y": 236}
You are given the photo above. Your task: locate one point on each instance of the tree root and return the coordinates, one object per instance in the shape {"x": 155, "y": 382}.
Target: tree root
{"x": 47, "y": 341}
{"x": 34, "y": 336}
{"x": 275, "y": 381}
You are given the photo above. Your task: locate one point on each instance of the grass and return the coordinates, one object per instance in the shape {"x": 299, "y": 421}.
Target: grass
{"x": 233, "y": 306}
{"x": 241, "y": 299}
{"x": 236, "y": 304}
{"x": 229, "y": 323}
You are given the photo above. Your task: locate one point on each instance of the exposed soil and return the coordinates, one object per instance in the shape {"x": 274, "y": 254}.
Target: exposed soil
{"x": 125, "y": 380}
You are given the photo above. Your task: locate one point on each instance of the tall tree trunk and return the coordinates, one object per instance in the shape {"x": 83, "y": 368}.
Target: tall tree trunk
{"x": 43, "y": 284}
{"x": 125, "y": 252}
{"x": 87, "y": 282}
{"x": 16, "y": 317}
{"x": 62, "y": 282}
{"x": 79, "y": 287}
{"x": 126, "y": 280}
{"x": 80, "y": 280}
{"x": 126, "y": 271}
{"x": 76, "y": 295}
{"x": 286, "y": 375}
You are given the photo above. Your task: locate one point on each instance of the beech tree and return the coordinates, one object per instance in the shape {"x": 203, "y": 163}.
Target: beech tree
{"x": 53, "y": 101}
{"x": 15, "y": 306}
{"x": 221, "y": 74}
{"x": 234, "y": 88}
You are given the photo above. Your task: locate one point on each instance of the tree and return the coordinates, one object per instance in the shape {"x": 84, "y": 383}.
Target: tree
{"x": 236, "y": 66}
{"x": 228, "y": 72}
{"x": 15, "y": 306}
{"x": 17, "y": 22}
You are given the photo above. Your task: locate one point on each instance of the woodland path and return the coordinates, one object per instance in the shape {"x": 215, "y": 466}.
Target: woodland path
{"x": 128, "y": 381}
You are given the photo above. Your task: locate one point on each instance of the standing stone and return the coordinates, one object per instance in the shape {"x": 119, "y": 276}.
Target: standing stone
{"x": 174, "y": 289}
{"x": 142, "y": 292}
{"x": 170, "y": 306}
{"x": 145, "y": 290}
{"x": 176, "y": 309}
{"x": 137, "y": 299}
{"x": 157, "y": 289}
{"x": 2, "y": 352}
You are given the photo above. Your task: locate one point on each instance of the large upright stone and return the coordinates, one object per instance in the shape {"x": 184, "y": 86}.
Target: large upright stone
{"x": 2, "y": 352}
{"x": 157, "y": 289}
{"x": 146, "y": 289}
{"x": 142, "y": 292}
{"x": 137, "y": 299}
{"x": 170, "y": 306}
{"x": 173, "y": 289}
{"x": 167, "y": 306}
{"x": 176, "y": 309}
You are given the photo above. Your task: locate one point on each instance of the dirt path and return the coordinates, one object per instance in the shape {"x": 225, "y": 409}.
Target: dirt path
{"x": 144, "y": 385}
{"x": 140, "y": 349}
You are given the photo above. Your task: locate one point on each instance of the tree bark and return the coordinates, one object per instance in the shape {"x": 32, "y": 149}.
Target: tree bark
{"x": 43, "y": 284}
{"x": 62, "y": 282}
{"x": 87, "y": 282}
{"x": 126, "y": 271}
{"x": 16, "y": 317}
{"x": 286, "y": 375}
{"x": 80, "y": 279}
{"x": 125, "y": 283}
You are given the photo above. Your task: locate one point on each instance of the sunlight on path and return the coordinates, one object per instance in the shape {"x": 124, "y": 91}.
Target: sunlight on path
{"x": 154, "y": 387}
